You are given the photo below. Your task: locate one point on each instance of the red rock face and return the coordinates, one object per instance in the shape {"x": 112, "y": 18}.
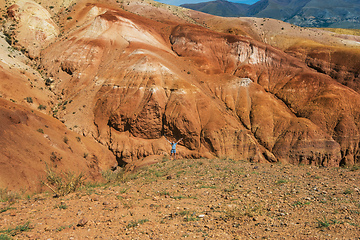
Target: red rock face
{"x": 128, "y": 81}
{"x": 31, "y": 142}
{"x": 340, "y": 63}
{"x": 224, "y": 95}
{"x": 300, "y": 94}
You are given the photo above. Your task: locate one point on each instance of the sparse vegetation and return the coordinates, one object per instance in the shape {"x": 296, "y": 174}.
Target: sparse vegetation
{"x": 2, "y": 210}
{"x": 63, "y": 227}
{"x": 191, "y": 218}
{"x": 235, "y": 199}
{"x": 42, "y": 107}
{"x": 355, "y": 168}
{"x": 16, "y": 230}
{"x": 5, "y": 237}
{"x": 348, "y": 191}
{"x": 29, "y": 99}
{"x": 64, "y": 183}
{"x": 249, "y": 210}
{"x": 48, "y": 81}
{"x": 133, "y": 224}
{"x": 281, "y": 181}
{"x": 61, "y": 206}
{"x": 114, "y": 176}
{"x": 8, "y": 196}
{"x": 300, "y": 204}
{"x": 55, "y": 157}
{"x": 324, "y": 223}
{"x": 240, "y": 200}
{"x": 355, "y": 32}
{"x": 40, "y": 130}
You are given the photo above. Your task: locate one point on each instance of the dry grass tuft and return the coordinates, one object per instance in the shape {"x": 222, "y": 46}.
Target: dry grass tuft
{"x": 64, "y": 183}
{"x": 8, "y": 196}
{"x": 355, "y": 32}
{"x": 114, "y": 176}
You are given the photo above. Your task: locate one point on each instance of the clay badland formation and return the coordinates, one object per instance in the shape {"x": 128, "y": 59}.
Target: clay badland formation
{"x": 89, "y": 85}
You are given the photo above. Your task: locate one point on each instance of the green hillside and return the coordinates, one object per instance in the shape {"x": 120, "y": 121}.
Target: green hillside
{"x": 304, "y": 13}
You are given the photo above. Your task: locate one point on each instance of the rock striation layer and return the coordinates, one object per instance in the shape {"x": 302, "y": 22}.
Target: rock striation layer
{"x": 225, "y": 95}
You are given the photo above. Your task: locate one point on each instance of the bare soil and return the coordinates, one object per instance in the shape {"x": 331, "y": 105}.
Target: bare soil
{"x": 196, "y": 198}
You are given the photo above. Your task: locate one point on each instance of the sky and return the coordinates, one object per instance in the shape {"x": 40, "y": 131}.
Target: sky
{"x": 179, "y": 2}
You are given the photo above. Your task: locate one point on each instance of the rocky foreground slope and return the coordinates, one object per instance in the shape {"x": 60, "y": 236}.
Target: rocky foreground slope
{"x": 124, "y": 74}
{"x": 198, "y": 199}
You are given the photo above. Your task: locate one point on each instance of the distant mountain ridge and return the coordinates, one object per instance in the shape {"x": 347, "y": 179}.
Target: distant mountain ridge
{"x": 305, "y": 13}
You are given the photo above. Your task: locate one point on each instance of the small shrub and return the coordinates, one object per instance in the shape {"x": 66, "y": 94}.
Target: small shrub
{"x": 164, "y": 193}
{"x": 191, "y": 218}
{"x": 63, "y": 227}
{"x": 66, "y": 139}
{"x": 123, "y": 190}
{"x": 249, "y": 210}
{"x": 55, "y": 157}
{"x": 40, "y": 130}
{"x": 61, "y": 206}
{"x": 323, "y": 223}
{"x": 114, "y": 176}
{"x": 188, "y": 216}
{"x": 281, "y": 181}
{"x": 178, "y": 197}
{"x": 42, "y": 107}
{"x": 48, "y": 81}
{"x": 78, "y": 139}
{"x": 348, "y": 191}
{"x": 64, "y": 183}
{"x": 136, "y": 223}
{"x": 29, "y": 99}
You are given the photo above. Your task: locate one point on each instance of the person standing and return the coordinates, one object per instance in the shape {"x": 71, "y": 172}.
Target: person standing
{"x": 173, "y": 147}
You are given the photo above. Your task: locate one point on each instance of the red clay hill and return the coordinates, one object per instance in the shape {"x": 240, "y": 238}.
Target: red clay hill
{"x": 121, "y": 75}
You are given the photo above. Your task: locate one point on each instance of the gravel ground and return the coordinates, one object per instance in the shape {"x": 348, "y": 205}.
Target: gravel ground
{"x": 197, "y": 198}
